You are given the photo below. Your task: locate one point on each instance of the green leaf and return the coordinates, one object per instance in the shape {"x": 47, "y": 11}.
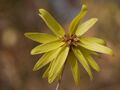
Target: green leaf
{"x": 74, "y": 67}
{"x": 83, "y": 28}
{"x": 90, "y": 45}
{"x": 41, "y": 37}
{"x": 46, "y": 47}
{"x": 74, "y": 24}
{"x": 58, "y": 64}
{"x": 82, "y": 60}
{"x": 54, "y": 26}
{"x": 94, "y": 39}
{"x": 91, "y": 61}
{"x": 46, "y": 58}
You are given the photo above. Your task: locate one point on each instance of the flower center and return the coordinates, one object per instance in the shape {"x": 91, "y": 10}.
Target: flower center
{"x": 71, "y": 40}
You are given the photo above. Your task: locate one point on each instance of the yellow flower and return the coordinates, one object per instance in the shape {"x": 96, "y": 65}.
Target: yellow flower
{"x": 62, "y": 47}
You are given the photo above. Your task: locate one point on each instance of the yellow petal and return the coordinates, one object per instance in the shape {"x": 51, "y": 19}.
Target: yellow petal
{"x": 46, "y": 47}
{"x": 74, "y": 24}
{"x": 59, "y": 63}
{"x": 46, "y": 73}
{"x": 41, "y": 37}
{"x": 91, "y": 61}
{"x": 54, "y": 26}
{"x": 83, "y": 28}
{"x": 46, "y": 58}
{"x": 93, "y": 46}
{"x": 94, "y": 39}
{"x": 74, "y": 67}
{"x": 82, "y": 60}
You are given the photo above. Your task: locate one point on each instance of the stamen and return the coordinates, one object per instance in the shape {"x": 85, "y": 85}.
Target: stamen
{"x": 71, "y": 40}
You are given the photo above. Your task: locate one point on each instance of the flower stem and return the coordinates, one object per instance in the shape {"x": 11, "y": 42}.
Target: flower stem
{"x": 58, "y": 84}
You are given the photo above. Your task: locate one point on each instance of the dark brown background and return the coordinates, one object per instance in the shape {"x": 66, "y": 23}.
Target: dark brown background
{"x": 16, "y": 63}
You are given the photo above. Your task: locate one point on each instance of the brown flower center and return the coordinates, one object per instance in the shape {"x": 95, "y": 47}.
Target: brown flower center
{"x": 71, "y": 40}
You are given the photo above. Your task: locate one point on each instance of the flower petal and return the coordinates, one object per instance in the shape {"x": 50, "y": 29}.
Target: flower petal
{"x": 54, "y": 26}
{"x": 58, "y": 64}
{"x": 93, "y": 46}
{"x": 82, "y": 60}
{"x": 85, "y": 26}
{"x": 91, "y": 61}
{"x": 89, "y": 51}
{"x": 46, "y": 47}
{"x": 74, "y": 67}
{"x": 46, "y": 58}
{"x": 41, "y": 37}
{"x": 46, "y": 73}
{"x": 60, "y": 73}
{"x": 94, "y": 39}
{"x": 74, "y": 24}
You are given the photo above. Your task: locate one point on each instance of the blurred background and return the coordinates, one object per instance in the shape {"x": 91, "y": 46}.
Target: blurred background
{"x": 16, "y": 63}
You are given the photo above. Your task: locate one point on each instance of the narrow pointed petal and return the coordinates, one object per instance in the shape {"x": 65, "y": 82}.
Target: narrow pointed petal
{"x": 46, "y": 73}
{"x": 60, "y": 73}
{"x": 83, "y": 28}
{"x": 46, "y": 47}
{"x": 89, "y": 51}
{"x": 94, "y": 39}
{"x": 95, "y": 47}
{"x": 74, "y": 24}
{"x": 91, "y": 61}
{"x": 83, "y": 61}
{"x": 74, "y": 67}
{"x": 54, "y": 26}
{"x": 46, "y": 58}
{"x": 50, "y": 71}
{"x": 41, "y": 37}
{"x": 59, "y": 63}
